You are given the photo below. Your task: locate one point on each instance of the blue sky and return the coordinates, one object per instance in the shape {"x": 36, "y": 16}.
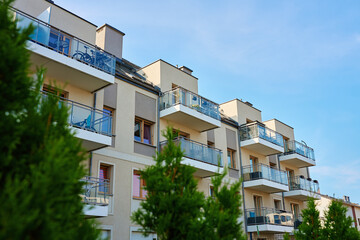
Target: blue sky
{"x": 297, "y": 61}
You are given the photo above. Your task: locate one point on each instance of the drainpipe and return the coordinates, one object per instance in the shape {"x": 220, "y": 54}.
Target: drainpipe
{"x": 242, "y": 185}
{"x": 91, "y": 154}
{"x": 308, "y": 173}
{"x": 282, "y": 194}
{"x": 158, "y": 122}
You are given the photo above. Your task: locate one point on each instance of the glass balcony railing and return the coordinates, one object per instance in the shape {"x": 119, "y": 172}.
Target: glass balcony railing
{"x": 259, "y": 216}
{"x": 189, "y": 99}
{"x": 261, "y": 171}
{"x": 87, "y": 118}
{"x": 95, "y": 191}
{"x": 65, "y": 44}
{"x": 255, "y": 130}
{"x": 199, "y": 151}
{"x": 299, "y": 148}
{"x": 301, "y": 183}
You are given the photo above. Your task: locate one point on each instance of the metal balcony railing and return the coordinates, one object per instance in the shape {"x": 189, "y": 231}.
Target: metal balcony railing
{"x": 255, "y": 130}
{"x": 261, "y": 171}
{"x": 87, "y": 118}
{"x": 95, "y": 191}
{"x": 198, "y": 151}
{"x": 259, "y": 216}
{"x": 299, "y": 148}
{"x": 301, "y": 183}
{"x": 189, "y": 99}
{"x": 65, "y": 44}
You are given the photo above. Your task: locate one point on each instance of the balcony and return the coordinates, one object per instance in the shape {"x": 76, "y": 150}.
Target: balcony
{"x": 204, "y": 158}
{"x": 92, "y": 126}
{"x": 298, "y": 154}
{"x": 302, "y": 188}
{"x": 263, "y": 178}
{"x": 66, "y": 57}
{"x": 269, "y": 220}
{"x": 95, "y": 196}
{"x": 258, "y": 138}
{"x": 187, "y": 108}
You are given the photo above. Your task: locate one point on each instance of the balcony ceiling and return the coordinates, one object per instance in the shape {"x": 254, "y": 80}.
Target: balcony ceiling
{"x": 261, "y": 146}
{"x": 264, "y": 185}
{"x": 297, "y": 160}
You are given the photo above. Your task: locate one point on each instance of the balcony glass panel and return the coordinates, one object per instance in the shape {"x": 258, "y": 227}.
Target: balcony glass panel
{"x": 95, "y": 191}
{"x": 63, "y": 43}
{"x": 199, "y": 151}
{"x": 261, "y": 171}
{"x": 259, "y": 216}
{"x": 255, "y": 130}
{"x": 299, "y": 148}
{"x": 189, "y": 99}
{"x": 87, "y": 118}
{"x": 301, "y": 183}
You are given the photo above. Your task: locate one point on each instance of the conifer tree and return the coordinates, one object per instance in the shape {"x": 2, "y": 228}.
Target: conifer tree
{"x": 337, "y": 224}
{"x": 222, "y": 211}
{"x": 39, "y": 156}
{"x": 311, "y": 227}
{"x": 172, "y": 207}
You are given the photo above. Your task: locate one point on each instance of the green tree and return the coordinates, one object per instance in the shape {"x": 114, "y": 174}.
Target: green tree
{"x": 40, "y": 157}
{"x": 223, "y": 211}
{"x": 173, "y": 204}
{"x": 337, "y": 224}
{"x": 310, "y": 228}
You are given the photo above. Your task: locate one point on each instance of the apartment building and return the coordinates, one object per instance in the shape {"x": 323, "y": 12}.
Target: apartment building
{"x": 353, "y": 209}
{"x": 119, "y": 109}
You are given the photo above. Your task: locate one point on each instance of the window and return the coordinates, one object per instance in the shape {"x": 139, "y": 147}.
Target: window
{"x": 258, "y": 205}
{"x": 254, "y": 164}
{"x": 211, "y": 191}
{"x": 277, "y": 204}
{"x": 105, "y": 234}
{"x": 142, "y": 131}
{"x": 53, "y": 90}
{"x": 106, "y": 120}
{"x": 231, "y": 158}
{"x": 138, "y": 186}
{"x": 59, "y": 42}
{"x": 295, "y": 210}
{"x": 104, "y": 173}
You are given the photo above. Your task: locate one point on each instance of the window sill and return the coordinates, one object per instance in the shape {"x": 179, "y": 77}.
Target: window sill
{"x": 138, "y": 198}
{"x": 146, "y": 144}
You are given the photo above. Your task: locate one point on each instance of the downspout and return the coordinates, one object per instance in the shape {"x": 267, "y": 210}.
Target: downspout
{"x": 282, "y": 194}
{"x": 308, "y": 172}
{"x": 242, "y": 184}
{"x": 158, "y": 122}
{"x": 91, "y": 154}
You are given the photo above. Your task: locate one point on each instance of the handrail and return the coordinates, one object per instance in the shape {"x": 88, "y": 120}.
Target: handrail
{"x": 67, "y": 44}
{"x": 262, "y": 171}
{"x": 257, "y": 129}
{"x": 264, "y": 215}
{"x": 95, "y": 190}
{"x": 301, "y": 183}
{"x": 186, "y": 90}
{"x": 293, "y": 146}
{"x": 57, "y": 29}
{"x": 261, "y": 164}
{"x": 190, "y": 140}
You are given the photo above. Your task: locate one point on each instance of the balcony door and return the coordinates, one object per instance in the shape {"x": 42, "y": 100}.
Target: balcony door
{"x": 254, "y": 161}
{"x": 258, "y": 205}
{"x": 291, "y": 176}
{"x": 295, "y": 210}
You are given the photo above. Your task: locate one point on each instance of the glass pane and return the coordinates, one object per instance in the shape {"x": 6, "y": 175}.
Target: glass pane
{"x": 147, "y": 134}
{"x": 137, "y": 132}
{"x": 136, "y": 185}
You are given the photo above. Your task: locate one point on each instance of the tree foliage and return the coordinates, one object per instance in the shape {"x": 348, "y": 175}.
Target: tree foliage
{"x": 175, "y": 209}
{"x": 310, "y": 228}
{"x": 40, "y": 157}
{"x": 337, "y": 225}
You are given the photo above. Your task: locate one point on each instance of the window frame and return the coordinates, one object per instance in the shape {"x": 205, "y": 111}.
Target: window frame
{"x": 108, "y": 177}
{"x": 142, "y": 123}
{"x": 232, "y": 158}
{"x": 142, "y": 184}
{"x": 52, "y": 90}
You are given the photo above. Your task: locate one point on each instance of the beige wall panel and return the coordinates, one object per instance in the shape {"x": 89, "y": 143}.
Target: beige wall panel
{"x": 231, "y": 139}
{"x": 110, "y": 40}
{"x": 210, "y": 136}
{"x": 245, "y": 156}
{"x": 152, "y": 73}
{"x": 240, "y": 111}
{"x": 60, "y": 18}
{"x": 281, "y": 128}
{"x": 194, "y": 135}
{"x": 110, "y": 96}
{"x": 145, "y": 107}
{"x": 144, "y": 149}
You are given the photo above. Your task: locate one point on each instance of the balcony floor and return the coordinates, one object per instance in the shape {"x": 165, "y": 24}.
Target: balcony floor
{"x": 68, "y": 70}
{"x": 265, "y": 185}
{"x": 261, "y": 146}
{"x": 92, "y": 140}
{"x": 270, "y": 228}
{"x": 202, "y": 169}
{"x": 297, "y": 160}
{"x": 302, "y": 195}
{"x": 189, "y": 117}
